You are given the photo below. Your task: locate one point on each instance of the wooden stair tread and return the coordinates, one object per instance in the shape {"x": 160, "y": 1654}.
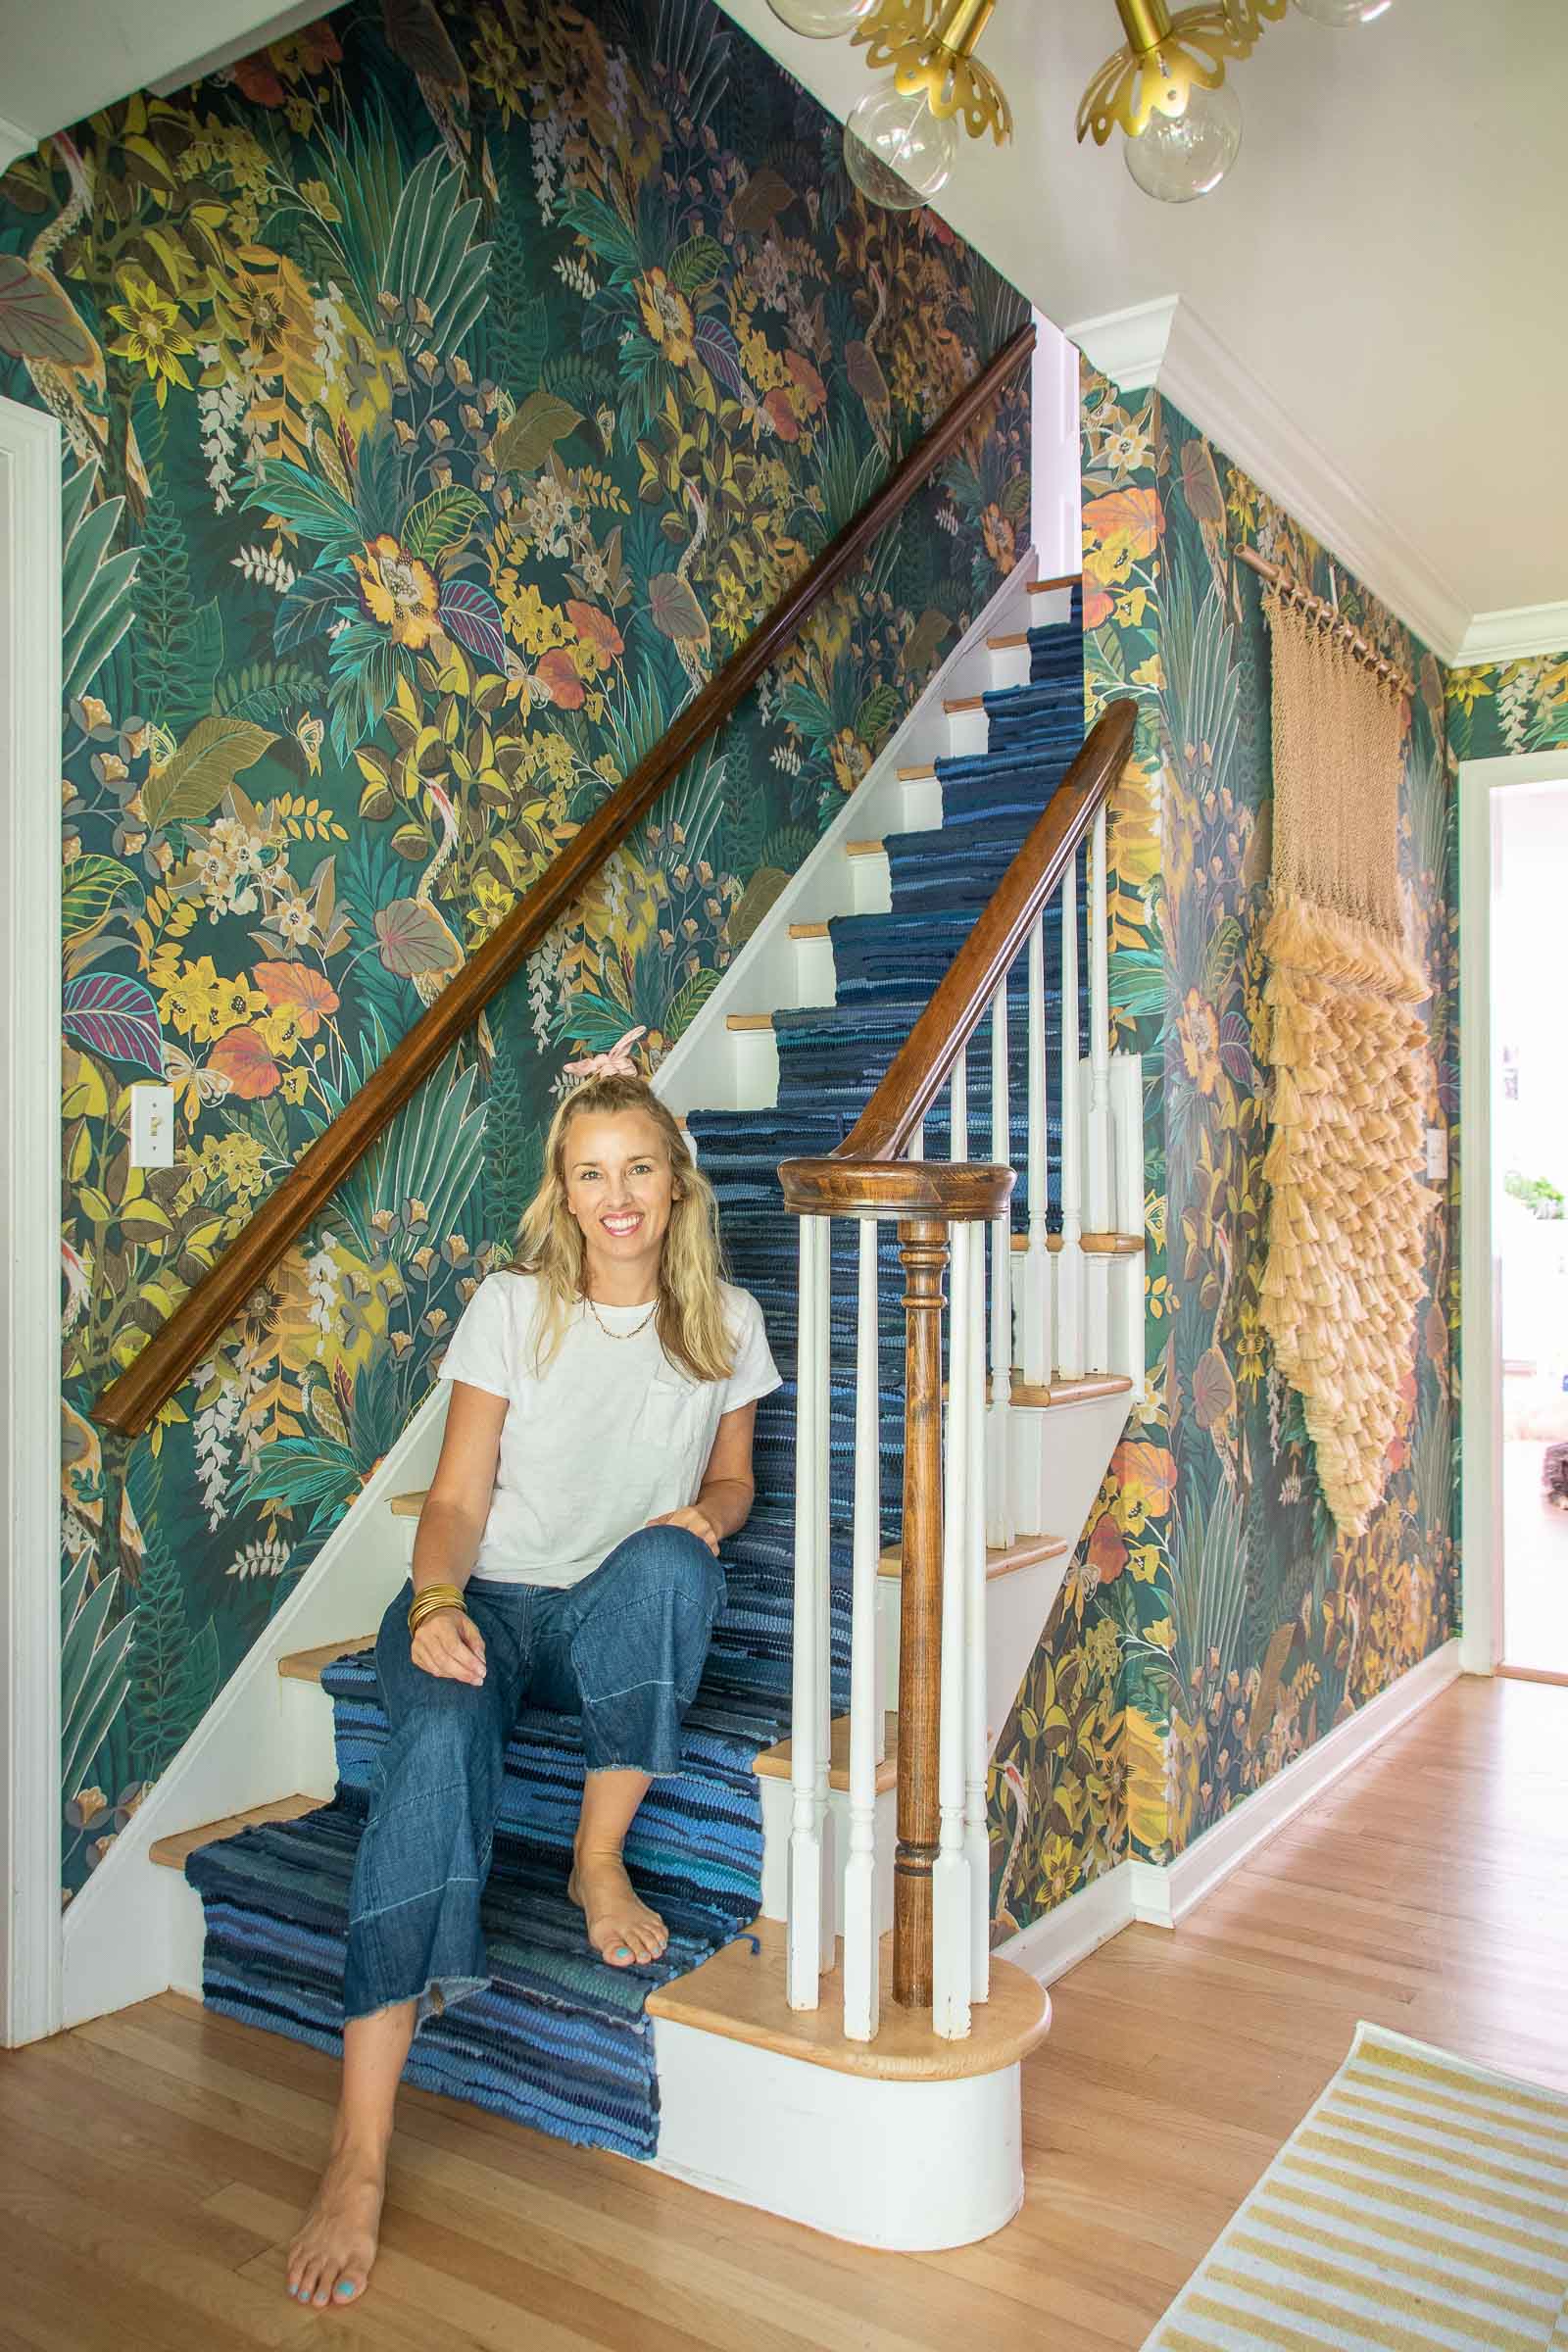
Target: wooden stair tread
{"x": 809, "y": 931}
{"x": 967, "y": 702}
{"x": 1069, "y": 1391}
{"x": 740, "y": 1993}
{"x": 777, "y": 1763}
{"x": 1068, "y": 580}
{"x": 408, "y": 1506}
{"x": 308, "y": 1665}
{"x": 863, "y": 849}
{"x": 917, "y": 775}
{"x": 1002, "y": 1560}
{"x": 1006, "y": 645}
{"x": 748, "y": 1020}
{"x": 171, "y": 1852}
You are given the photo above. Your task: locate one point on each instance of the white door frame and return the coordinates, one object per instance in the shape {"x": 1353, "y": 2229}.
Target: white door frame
{"x": 29, "y": 1186}
{"x": 1479, "y": 1270}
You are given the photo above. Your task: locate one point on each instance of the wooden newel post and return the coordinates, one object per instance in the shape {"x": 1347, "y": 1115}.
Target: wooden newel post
{"x": 923, "y": 1248}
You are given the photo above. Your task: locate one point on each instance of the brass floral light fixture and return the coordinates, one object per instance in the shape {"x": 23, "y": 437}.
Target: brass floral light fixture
{"x": 1165, "y": 87}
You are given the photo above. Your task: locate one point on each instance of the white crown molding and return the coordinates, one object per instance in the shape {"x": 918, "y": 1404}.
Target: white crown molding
{"x": 1519, "y": 633}
{"x": 1165, "y": 344}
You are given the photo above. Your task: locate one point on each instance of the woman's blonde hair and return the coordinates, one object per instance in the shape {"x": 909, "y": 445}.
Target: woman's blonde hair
{"x": 691, "y": 1321}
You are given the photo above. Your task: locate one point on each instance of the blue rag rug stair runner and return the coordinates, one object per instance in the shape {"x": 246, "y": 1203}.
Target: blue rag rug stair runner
{"x": 559, "y": 2041}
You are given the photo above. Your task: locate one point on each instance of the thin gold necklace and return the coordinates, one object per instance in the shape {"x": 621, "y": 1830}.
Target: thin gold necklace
{"x": 619, "y": 1335}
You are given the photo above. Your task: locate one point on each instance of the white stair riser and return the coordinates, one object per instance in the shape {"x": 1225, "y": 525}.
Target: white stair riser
{"x": 1050, "y": 607}
{"x": 872, "y": 883}
{"x": 1009, "y": 666}
{"x": 968, "y": 733}
{"x": 1018, "y": 1609}
{"x": 1059, "y": 1459}
{"x": 920, "y": 810}
{"x": 753, "y": 1069}
{"x": 910, "y": 2167}
{"x": 816, "y": 980}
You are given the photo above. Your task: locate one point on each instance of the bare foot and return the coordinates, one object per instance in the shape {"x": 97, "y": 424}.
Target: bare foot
{"x": 621, "y": 1928}
{"x": 329, "y": 2260}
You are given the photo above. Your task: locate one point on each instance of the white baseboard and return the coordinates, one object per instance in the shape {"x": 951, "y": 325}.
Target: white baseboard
{"x": 1162, "y": 1896}
{"x": 1059, "y": 1939}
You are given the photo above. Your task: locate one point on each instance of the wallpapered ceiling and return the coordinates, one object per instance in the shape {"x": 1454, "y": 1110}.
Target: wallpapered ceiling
{"x": 1213, "y": 1627}
{"x": 446, "y": 395}
{"x": 1498, "y": 709}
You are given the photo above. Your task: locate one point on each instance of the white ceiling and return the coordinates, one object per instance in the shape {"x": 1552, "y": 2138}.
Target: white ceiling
{"x": 1385, "y": 259}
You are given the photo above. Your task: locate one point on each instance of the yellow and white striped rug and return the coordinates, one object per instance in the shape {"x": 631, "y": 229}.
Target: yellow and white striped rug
{"x": 1421, "y": 2206}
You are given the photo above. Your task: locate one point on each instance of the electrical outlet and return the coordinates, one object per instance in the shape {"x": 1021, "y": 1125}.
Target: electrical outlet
{"x": 152, "y": 1126}
{"x": 1437, "y": 1155}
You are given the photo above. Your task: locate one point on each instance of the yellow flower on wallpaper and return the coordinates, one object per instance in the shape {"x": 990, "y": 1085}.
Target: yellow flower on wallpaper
{"x": 398, "y": 590}
{"x": 667, "y": 316}
{"x": 1197, "y": 1032}
{"x": 153, "y": 336}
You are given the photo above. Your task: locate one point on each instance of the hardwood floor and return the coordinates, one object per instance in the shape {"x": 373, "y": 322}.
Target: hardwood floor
{"x": 155, "y": 2161}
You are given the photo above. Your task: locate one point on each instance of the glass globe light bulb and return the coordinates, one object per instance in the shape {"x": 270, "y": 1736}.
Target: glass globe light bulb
{"x": 896, "y": 151}
{"x": 1181, "y": 156}
{"x": 1344, "y": 12}
{"x": 821, "y": 20}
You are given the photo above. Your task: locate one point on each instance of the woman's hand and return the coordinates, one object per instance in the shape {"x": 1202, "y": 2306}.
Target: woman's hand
{"x": 450, "y": 1644}
{"x": 694, "y": 1517}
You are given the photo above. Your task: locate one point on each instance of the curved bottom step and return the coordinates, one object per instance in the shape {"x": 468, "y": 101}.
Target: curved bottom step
{"x": 772, "y": 2107}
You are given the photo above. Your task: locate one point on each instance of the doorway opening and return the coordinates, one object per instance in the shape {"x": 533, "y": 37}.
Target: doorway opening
{"x": 1530, "y": 1211}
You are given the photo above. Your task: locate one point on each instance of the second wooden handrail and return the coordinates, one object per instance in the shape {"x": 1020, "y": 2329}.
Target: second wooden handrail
{"x": 131, "y": 1400}
{"x": 869, "y": 1172}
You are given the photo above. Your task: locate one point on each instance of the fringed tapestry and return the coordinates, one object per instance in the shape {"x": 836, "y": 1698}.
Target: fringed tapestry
{"x": 1345, "y": 1220}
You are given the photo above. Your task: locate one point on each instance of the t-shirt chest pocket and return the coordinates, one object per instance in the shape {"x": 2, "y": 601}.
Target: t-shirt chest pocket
{"x": 667, "y": 1415}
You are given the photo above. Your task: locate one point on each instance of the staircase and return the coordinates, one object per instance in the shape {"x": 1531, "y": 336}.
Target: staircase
{"x": 681, "y": 2061}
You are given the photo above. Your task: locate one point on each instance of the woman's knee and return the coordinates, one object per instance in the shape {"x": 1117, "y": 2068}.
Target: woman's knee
{"x": 676, "y": 1561}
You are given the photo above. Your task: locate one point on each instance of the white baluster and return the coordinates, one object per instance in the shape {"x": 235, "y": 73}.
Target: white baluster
{"x": 1097, "y": 1152}
{"x": 951, "y": 1925}
{"x": 1037, "y": 1271}
{"x": 917, "y": 1147}
{"x": 997, "y": 1484}
{"x": 812, "y": 1665}
{"x": 977, "y": 1733}
{"x": 1098, "y": 1170}
{"x": 958, "y": 1122}
{"x": 862, "y": 1940}
{"x": 1069, "y": 1259}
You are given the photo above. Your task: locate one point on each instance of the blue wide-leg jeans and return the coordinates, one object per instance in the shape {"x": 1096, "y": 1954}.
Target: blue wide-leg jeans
{"x": 624, "y": 1650}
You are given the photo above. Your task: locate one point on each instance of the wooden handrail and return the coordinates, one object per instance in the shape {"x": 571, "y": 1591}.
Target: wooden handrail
{"x": 140, "y": 1392}
{"x": 868, "y": 1173}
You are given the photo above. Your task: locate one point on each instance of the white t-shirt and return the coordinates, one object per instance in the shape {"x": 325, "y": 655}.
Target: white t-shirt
{"x": 613, "y": 1435}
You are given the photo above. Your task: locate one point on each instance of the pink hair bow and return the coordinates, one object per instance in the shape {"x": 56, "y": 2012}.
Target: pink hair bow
{"x": 616, "y": 1063}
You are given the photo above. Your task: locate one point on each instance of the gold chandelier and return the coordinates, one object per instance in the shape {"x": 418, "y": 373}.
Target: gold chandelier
{"x": 1164, "y": 88}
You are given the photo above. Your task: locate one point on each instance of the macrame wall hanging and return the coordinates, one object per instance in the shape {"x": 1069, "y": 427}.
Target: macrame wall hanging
{"x": 1346, "y": 1231}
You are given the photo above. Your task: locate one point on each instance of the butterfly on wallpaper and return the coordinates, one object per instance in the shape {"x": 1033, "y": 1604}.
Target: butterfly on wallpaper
{"x": 196, "y": 1087}
{"x": 309, "y": 735}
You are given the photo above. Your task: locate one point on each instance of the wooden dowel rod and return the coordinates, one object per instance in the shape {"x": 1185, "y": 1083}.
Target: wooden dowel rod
{"x": 1286, "y": 585}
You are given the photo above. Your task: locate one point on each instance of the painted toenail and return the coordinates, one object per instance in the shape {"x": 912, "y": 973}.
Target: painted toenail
{"x": 344, "y": 2287}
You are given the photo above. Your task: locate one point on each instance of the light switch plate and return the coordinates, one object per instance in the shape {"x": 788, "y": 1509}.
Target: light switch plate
{"x": 152, "y": 1126}
{"x": 1437, "y": 1155}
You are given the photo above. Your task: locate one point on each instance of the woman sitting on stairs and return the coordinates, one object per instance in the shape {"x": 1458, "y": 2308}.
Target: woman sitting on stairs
{"x": 598, "y": 1448}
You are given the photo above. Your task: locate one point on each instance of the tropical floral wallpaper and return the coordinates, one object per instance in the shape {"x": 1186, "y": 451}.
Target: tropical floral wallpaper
{"x": 445, "y": 396}
{"x": 1499, "y": 710}
{"x": 1212, "y": 1626}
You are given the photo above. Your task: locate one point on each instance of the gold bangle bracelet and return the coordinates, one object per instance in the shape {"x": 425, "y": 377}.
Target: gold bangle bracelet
{"x": 430, "y": 1601}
